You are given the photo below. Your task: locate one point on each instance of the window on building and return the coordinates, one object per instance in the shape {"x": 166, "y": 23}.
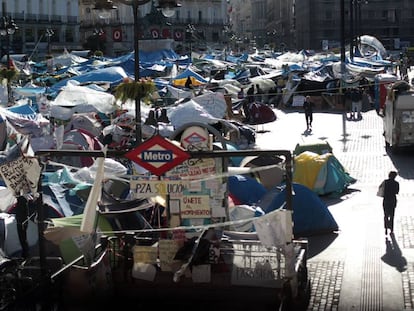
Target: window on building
{"x": 371, "y": 14}
{"x": 68, "y": 9}
{"x": 200, "y": 16}
{"x": 29, "y": 7}
{"x": 29, "y": 35}
{"x": 54, "y": 7}
{"x": 41, "y": 7}
{"x": 392, "y": 16}
{"x": 215, "y": 36}
{"x": 69, "y": 35}
{"x": 395, "y": 32}
{"x": 328, "y": 15}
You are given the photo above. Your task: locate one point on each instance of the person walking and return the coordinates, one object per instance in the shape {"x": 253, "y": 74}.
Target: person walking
{"x": 308, "y": 109}
{"x": 356, "y": 104}
{"x": 189, "y": 83}
{"x": 250, "y": 94}
{"x": 240, "y": 94}
{"x": 259, "y": 93}
{"x": 389, "y": 201}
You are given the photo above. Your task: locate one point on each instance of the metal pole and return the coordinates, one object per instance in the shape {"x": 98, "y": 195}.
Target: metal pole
{"x": 359, "y": 33}
{"x": 351, "y": 29}
{"x": 138, "y": 129}
{"x": 342, "y": 38}
{"x": 41, "y": 226}
{"x": 342, "y": 9}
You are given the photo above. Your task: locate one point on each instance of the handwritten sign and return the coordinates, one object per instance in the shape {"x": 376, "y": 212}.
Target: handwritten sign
{"x": 195, "y": 206}
{"x": 145, "y": 188}
{"x": 193, "y": 169}
{"x": 21, "y": 175}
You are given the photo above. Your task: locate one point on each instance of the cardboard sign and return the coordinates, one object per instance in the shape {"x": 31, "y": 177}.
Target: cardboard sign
{"x": 195, "y": 206}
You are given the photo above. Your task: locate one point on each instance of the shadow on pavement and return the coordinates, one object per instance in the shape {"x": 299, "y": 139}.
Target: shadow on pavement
{"x": 335, "y": 198}
{"x": 318, "y": 243}
{"x": 393, "y": 255}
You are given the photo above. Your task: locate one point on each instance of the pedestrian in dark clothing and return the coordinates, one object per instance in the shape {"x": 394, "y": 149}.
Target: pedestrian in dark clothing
{"x": 356, "y": 105}
{"x": 189, "y": 83}
{"x": 240, "y": 94}
{"x": 259, "y": 93}
{"x": 389, "y": 202}
{"x": 308, "y": 108}
{"x": 250, "y": 94}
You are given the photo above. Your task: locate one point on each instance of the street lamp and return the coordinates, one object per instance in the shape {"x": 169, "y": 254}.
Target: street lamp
{"x": 190, "y": 30}
{"x": 7, "y": 28}
{"x": 359, "y": 31}
{"x": 49, "y": 33}
{"x": 167, "y": 8}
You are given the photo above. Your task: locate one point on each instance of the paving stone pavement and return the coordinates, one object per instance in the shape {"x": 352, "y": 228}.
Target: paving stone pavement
{"x": 357, "y": 268}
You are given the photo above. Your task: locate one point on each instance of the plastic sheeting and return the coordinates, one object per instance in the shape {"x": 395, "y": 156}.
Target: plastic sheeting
{"x": 79, "y": 99}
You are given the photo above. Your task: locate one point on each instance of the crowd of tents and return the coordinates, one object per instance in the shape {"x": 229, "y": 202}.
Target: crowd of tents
{"x": 68, "y": 103}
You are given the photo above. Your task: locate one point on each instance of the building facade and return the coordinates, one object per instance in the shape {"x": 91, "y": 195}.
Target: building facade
{"x": 316, "y": 24}
{"x": 49, "y": 26}
{"x": 197, "y": 23}
{"x": 43, "y": 26}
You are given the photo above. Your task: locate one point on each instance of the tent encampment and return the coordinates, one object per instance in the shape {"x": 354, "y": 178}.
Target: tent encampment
{"x": 322, "y": 173}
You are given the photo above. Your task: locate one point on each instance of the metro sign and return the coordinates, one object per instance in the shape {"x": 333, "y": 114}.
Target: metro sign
{"x": 158, "y": 155}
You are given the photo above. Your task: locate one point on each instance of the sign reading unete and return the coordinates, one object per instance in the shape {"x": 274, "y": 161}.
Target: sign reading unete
{"x": 158, "y": 155}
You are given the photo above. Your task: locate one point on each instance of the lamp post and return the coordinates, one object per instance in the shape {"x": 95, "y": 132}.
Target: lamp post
{"x": 359, "y": 30}
{"x": 49, "y": 33}
{"x": 351, "y": 29}
{"x": 7, "y": 28}
{"x": 190, "y": 30}
{"x": 167, "y": 8}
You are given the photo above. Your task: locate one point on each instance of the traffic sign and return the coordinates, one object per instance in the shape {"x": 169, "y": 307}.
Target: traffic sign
{"x": 194, "y": 137}
{"x": 158, "y": 155}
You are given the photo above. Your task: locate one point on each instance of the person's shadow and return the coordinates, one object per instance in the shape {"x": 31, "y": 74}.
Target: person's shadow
{"x": 393, "y": 255}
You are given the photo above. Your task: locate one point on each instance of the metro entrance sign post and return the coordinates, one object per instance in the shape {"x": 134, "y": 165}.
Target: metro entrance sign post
{"x": 158, "y": 155}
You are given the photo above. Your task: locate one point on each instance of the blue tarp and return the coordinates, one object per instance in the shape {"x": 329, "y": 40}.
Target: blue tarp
{"x": 245, "y": 189}
{"x": 112, "y": 75}
{"x": 310, "y": 214}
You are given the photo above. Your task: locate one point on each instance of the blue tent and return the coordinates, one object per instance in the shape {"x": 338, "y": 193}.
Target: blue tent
{"x": 310, "y": 214}
{"x": 245, "y": 189}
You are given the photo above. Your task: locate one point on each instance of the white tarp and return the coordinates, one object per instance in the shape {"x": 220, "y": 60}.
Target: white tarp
{"x": 375, "y": 43}
{"x": 80, "y": 99}
{"x": 207, "y": 108}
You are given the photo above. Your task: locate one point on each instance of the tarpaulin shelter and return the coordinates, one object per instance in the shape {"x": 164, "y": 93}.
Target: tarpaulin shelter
{"x": 323, "y": 173}
{"x": 310, "y": 214}
{"x": 196, "y": 79}
{"x": 112, "y": 75}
